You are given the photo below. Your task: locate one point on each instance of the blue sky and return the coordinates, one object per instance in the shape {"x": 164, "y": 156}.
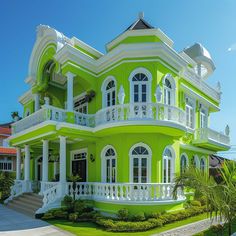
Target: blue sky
{"x": 210, "y": 22}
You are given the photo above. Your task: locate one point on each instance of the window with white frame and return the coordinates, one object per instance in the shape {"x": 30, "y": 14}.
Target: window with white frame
{"x": 203, "y": 117}
{"x": 140, "y": 164}
{"x": 140, "y": 87}
{"x": 190, "y": 113}
{"x": 6, "y": 164}
{"x": 80, "y": 104}
{"x": 109, "y": 165}
{"x": 110, "y": 94}
{"x": 183, "y": 163}
{"x": 169, "y": 90}
{"x": 168, "y": 165}
{"x": 202, "y": 164}
{"x": 196, "y": 162}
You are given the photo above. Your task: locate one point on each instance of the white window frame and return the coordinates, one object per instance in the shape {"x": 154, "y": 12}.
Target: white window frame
{"x": 78, "y": 151}
{"x": 172, "y": 160}
{"x": 191, "y": 105}
{"x": 203, "y": 115}
{"x": 149, "y": 161}
{"x": 77, "y": 98}
{"x": 104, "y": 91}
{"x": 200, "y": 164}
{"x": 167, "y": 90}
{"x": 184, "y": 155}
{"x": 104, "y": 163}
{"x": 148, "y": 83}
{"x": 197, "y": 161}
{"x": 4, "y": 162}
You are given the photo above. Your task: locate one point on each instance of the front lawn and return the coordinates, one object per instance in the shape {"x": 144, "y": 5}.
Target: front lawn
{"x": 90, "y": 229}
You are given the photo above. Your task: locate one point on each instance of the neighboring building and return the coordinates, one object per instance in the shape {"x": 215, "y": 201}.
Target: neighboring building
{"x": 126, "y": 121}
{"x": 7, "y": 154}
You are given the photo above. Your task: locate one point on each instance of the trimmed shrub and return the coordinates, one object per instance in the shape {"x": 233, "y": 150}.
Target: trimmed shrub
{"x": 153, "y": 215}
{"x": 123, "y": 214}
{"x": 138, "y": 216}
{"x": 89, "y": 215}
{"x": 73, "y": 217}
{"x": 195, "y": 203}
{"x": 60, "y": 214}
{"x": 68, "y": 203}
{"x": 48, "y": 216}
{"x": 203, "y": 200}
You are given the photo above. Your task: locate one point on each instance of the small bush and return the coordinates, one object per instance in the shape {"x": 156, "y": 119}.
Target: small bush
{"x": 60, "y": 214}
{"x": 89, "y": 215}
{"x": 195, "y": 203}
{"x": 153, "y": 215}
{"x": 138, "y": 216}
{"x": 68, "y": 203}
{"x": 73, "y": 217}
{"x": 203, "y": 200}
{"x": 123, "y": 214}
{"x": 48, "y": 216}
{"x": 217, "y": 228}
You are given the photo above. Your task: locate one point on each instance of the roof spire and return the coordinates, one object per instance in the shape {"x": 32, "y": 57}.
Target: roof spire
{"x": 141, "y": 15}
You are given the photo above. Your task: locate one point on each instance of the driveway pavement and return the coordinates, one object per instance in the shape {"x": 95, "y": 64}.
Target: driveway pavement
{"x": 13, "y": 223}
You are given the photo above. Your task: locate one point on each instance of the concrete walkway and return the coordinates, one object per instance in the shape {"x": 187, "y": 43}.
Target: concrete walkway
{"x": 190, "y": 229}
{"x": 15, "y": 223}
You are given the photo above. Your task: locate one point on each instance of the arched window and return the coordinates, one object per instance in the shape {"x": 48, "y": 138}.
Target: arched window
{"x": 169, "y": 90}
{"x": 140, "y": 163}
{"x": 140, "y": 85}
{"x": 109, "y": 92}
{"x": 202, "y": 164}
{"x": 183, "y": 163}
{"x": 196, "y": 162}
{"x": 168, "y": 165}
{"x": 109, "y": 165}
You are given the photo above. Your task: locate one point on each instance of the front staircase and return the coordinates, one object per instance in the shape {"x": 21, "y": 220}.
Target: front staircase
{"x": 27, "y": 203}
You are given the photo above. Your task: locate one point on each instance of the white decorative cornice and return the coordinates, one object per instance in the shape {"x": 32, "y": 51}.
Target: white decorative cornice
{"x": 26, "y": 97}
{"x": 143, "y": 32}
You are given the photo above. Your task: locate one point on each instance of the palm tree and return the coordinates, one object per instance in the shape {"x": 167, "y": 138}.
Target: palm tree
{"x": 220, "y": 195}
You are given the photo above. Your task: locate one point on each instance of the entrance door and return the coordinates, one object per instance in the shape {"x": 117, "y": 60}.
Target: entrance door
{"x": 79, "y": 164}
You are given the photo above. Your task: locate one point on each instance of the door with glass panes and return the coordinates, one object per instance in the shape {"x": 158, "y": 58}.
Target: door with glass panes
{"x": 79, "y": 165}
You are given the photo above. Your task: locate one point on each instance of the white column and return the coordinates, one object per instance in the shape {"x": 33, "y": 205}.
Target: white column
{"x": 62, "y": 159}
{"x": 27, "y": 163}
{"x": 45, "y": 161}
{"x": 36, "y": 102}
{"x": 70, "y": 103}
{"x": 18, "y": 163}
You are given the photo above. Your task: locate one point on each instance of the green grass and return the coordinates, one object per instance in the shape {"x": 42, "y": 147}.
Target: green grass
{"x": 225, "y": 232}
{"x": 91, "y": 229}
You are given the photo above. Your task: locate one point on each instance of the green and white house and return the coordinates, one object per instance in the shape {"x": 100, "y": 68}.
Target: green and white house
{"x": 126, "y": 121}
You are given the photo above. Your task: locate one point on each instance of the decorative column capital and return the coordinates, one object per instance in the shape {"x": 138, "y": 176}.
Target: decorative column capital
{"x": 70, "y": 75}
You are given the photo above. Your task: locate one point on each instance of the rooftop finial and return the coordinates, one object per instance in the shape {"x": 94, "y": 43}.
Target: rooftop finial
{"x": 141, "y": 15}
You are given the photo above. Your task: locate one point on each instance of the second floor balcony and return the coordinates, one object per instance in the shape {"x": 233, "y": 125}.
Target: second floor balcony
{"x": 142, "y": 114}
{"x": 128, "y": 114}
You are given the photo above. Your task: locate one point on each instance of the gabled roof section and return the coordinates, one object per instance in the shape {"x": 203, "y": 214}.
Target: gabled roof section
{"x": 140, "y": 24}
{"x": 140, "y": 32}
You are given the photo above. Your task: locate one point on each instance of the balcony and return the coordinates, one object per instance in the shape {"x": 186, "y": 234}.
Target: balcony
{"x": 138, "y": 113}
{"x": 208, "y": 138}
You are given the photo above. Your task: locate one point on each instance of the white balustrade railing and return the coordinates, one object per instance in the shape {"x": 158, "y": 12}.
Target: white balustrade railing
{"x": 51, "y": 194}
{"x": 16, "y": 189}
{"x": 140, "y": 111}
{"x": 47, "y": 185}
{"x": 142, "y": 192}
{"x": 84, "y": 119}
{"x": 205, "y": 134}
{"x": 126, "y": 112}
{"x": 194, "y": 79}
{"x": 29, "y": 121}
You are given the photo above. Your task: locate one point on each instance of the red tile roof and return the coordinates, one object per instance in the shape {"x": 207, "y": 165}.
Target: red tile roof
{"x": 5, "y": 150}
{"x": 5, "y": 130}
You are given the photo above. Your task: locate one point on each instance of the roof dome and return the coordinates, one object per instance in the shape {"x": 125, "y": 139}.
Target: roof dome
{"x": 202, "y": 57}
